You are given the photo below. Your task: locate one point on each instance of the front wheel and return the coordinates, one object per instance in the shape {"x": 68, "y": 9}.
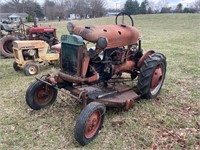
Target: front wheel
{"x": 40, "y": 95}
{"x": 89, "y": 122}
{"x": 15, "y": 66}
{"x": 31, "y": 69}
{"x": 152, "y": 75}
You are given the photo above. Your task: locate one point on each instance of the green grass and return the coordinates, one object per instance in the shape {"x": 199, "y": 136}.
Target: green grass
{"x": 170, "y": 121}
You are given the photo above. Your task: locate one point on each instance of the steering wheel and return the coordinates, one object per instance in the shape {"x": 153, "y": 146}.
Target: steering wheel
{"x": 122, "y": 14}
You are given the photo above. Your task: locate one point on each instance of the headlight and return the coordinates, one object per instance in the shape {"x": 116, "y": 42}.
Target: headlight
{"x": 102, "y": 42}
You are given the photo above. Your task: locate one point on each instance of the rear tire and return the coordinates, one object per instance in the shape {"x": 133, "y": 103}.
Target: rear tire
{"x": 31, "y": 69}
{"x": 152, "y": 75}
{"x": 40, "y": 95}
{"x": 89, "y": 122}
{"x": 6, "y": 46}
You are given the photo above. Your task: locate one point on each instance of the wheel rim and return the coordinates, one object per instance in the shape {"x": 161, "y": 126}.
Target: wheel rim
{"x": 32, "y": 70}
{"x": 43, "y": 95}
{"x": 8, "y": 47}
{"x": 157, "y": 79}
{"x": 92, "y": 124}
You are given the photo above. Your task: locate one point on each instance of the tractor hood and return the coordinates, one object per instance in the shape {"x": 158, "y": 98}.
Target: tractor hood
{"x": 115, "y": 35}
{"x": 40, "y": 29}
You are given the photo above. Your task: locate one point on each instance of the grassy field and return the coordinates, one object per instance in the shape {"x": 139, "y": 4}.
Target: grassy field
{"x": 171, "y": 121}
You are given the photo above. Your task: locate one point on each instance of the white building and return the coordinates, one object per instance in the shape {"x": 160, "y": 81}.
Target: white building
{"x": 13, "y": 17}
{"x": 74, "y": 16}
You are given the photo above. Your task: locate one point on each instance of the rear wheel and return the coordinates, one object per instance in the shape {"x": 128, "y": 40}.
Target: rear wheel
{"x": 30, "y": 69}
{"x": 6, "y": 46}
{"x": 40, "y": 95}
{"x": 89, "y": 122}
{"x": 152, "y": 75}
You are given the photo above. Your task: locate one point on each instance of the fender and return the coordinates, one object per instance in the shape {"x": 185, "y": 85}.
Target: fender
{"x": 144, "y": 57}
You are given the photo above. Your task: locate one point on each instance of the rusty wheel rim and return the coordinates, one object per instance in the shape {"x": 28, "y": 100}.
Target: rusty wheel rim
{"x": 32, "y": 70}
{"x": 93, "y": 124}
{"x": 157, "y": 79}
{"x": 43, "y": 95}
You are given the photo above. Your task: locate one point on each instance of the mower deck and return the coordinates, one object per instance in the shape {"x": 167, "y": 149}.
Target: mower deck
{"x": 114, "y": 96}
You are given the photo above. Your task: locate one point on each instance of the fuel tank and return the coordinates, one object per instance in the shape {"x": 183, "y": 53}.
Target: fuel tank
{"x": 115, "y": 35}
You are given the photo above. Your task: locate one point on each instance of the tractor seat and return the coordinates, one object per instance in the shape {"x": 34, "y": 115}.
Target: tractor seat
{"x": 6, "y": 28}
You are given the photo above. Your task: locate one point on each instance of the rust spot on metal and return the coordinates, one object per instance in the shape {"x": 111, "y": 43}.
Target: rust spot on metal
{"x": 93, "y": 124}
{"x": 69, "y": 78}
{"x": 129, "y": 104}
{"x": 51, "y": 80}
{"x": 157, "y": 77}
{"x": 127, "y": 66}
{"x": 86, "y": 60}
{"x": 43, "y": 94}
{"x": 119, "y": 96}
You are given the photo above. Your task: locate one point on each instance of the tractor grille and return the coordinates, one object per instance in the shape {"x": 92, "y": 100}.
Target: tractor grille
{"x": 69, "y": 58}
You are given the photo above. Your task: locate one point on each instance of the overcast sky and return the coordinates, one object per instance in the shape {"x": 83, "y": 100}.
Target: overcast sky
{"x": 120, "y": 3}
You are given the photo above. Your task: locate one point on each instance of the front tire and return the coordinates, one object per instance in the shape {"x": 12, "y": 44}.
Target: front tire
{"x": 152, "y": 75}
{"x": 15, "y": 66}
{"x": 89, "y": 123}
{"x": 40, "y": 95}
{"x": 31, "y": 69}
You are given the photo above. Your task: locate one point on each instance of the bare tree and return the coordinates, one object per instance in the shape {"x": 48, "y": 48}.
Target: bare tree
{"x": 162, "y": 4}
{"x": 10, "y": 7}
{"x": 49, "y": 9}
{"x": 197, "y": 5}
{"x": 179, "y": 8}
{"x": 85, "y": 8}
{"x": 97, "y": 8}
{"x": 56, "y": 8}
{"x": 60, "y": 8}
{"x": 19, "y": 6}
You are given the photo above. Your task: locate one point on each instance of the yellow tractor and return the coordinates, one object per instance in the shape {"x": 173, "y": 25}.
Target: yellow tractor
{"x": 29, "y": 55}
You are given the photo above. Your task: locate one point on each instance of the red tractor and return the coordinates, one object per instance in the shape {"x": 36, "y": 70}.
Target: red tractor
{"x": 25, "y": 32}
{"x": 94, "y": 76}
